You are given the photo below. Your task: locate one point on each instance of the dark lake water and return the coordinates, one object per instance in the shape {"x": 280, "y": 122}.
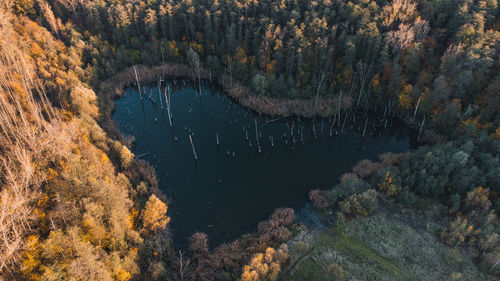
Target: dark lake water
{"x": 231, "y": 187}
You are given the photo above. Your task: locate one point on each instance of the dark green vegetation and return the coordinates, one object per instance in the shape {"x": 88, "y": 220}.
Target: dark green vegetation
{"x": 446, "y": 180}
{"x": 77, "y": 205}
{"x": 441, "y": 55}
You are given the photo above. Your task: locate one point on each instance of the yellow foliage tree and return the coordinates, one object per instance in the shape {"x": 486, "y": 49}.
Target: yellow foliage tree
{"x": 404, "y": 97}
{"x": 388, "y": 186}
{"x": 496, "y": 135}
{"x": 154, "y": 216}
{"x": 265, "y": 266}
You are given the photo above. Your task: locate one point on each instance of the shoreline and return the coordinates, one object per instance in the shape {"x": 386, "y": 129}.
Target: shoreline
{"x": 281, "y": 107}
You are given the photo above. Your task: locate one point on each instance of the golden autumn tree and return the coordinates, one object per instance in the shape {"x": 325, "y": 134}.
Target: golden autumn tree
{"x": 388, "y": 186}
{"x": 265, "y": 266}
{"x": 405, "y": 98}
{"x": 496, "y": 135}
{"x": 154, "y": 216}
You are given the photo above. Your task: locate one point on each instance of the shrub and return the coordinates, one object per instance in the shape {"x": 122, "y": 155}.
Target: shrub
{"x": 335, "y": 270}
{"x": 275, "y": 228}
{"x": 390, "y": 159}
{"x": 283, "y": 216}
{"x": 347, "y": 177}
{"x": 458, "y": 232}
{"x": 365, "y": 168}
{"x": 359, "y": 204}
{"x": 407, "y": 197}
{"x": 477, "y": 201}
{"x": 318, "y": 198}
{"x": 388, "y": 186}
{"x": 454, "y": 202}
{"x": 345, "y": 189}
{"x": 198, "y": 245}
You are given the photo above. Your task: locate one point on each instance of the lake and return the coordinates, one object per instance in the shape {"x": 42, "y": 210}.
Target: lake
{"x": 232, "y": 186}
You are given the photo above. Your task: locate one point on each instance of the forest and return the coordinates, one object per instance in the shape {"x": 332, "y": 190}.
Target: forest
{"x": 76, "y": 204}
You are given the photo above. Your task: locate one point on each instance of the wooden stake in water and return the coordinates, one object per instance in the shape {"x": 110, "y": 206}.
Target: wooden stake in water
{"x": 159, "y": 92}
{"x": 257, "y": 134}
{"x": 192, "y": 145}
{"x": 166, "y": 100}
{"x": 340, "y": 100}
{"x": 217, "y": 137}
{"x": 168, "y": 108}
{"x": 137, "y": 81}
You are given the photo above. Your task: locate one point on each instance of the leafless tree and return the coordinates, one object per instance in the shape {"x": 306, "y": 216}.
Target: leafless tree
{"x": 421, "y": 29}
{"x": 401, "y": 38}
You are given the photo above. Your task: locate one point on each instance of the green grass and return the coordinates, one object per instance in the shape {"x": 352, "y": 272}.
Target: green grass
{"x": 361, "y": 253}
{"x": 313, "y": 265}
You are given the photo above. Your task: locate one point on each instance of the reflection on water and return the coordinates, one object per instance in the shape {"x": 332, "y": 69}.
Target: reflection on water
{"x": 232, "y": 186}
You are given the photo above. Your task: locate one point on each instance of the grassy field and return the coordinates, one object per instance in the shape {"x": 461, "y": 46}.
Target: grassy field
{"x": 377, "y": 248}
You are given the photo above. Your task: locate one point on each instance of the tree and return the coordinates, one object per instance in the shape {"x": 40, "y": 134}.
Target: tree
{"x": 194, "y": 61}
{"x": 154, "y": 216}
{"x": 23, "y": 7}
{"x": 198, "y": 245}
{"x": 400, "y": 39}
{"x": 318, "y": 198}
{"x": 259, "y": 83}
{"x": 265, "y": 266}
{"x": 359, "y": 204}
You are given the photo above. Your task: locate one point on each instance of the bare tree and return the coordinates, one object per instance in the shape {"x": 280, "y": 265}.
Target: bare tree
{"x": 364, "y": 71}
{"x": 421, "y": 29}
{"x": 401, "y": 38}
{"x": 25, "y": 135}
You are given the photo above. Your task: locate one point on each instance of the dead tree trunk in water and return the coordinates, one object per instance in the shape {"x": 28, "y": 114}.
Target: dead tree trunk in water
{"x": 257, "y": 135}
{"x": 167, "y": 104}
{"x": 159, "y": 92}
{"x": 340, "y": 107}
{"x": 192, "y": 145}
{"x": 137, "y": 81}
{"x": 198, "y": 66}
{"x": 364, "y": 71}
{"x": 163, "y": 63}
{"x": 317, "y": 93}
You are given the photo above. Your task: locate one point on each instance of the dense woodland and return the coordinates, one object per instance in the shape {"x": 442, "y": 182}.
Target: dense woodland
{"x": 76, "y": 205}
{"x": 441, "y": 55}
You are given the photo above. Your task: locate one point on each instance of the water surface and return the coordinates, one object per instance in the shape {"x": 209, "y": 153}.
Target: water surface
{"x": 232, "y": 186}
